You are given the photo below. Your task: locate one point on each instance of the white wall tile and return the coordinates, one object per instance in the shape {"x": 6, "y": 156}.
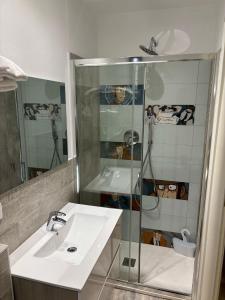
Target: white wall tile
{"x": 200, "y": 115}
{"x": 171, "y": 93}
{"x": 115, "y": 120}
{"x": 182, "y": 172}
{"x": 184, "y": 135}
{"x": 196, "y": 173}
{"x": 198, "y": 136}
{"x": 175, "y": 72}
{"x": 197, "y": 154}
{"x": 202, "y": 94}
{"x": 194, "y": 192}
{"x": 192, "y": 210}
{"x": 204, "y": 71}
{"x": 192, "y": 225}
{"x": 119, "y": 74}
{"x": 165, "y": 222}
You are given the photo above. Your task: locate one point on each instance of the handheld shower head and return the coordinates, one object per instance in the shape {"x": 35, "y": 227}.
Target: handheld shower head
{"x": 151, "y": 50}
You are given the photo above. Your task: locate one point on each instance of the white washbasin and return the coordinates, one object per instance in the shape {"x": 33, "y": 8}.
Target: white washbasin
{"x": 80, "y": 232}
{"x": 44, "y": 256}
{"x": 116, "y": 180}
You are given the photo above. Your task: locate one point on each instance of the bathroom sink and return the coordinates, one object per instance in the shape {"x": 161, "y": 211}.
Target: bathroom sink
{"x": 66, "y": 258}
{"x": 74, "y": 240}
{"x": 115, "y": 180}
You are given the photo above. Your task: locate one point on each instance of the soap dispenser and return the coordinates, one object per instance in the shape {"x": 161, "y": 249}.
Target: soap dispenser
{"x": 183, "y": 246}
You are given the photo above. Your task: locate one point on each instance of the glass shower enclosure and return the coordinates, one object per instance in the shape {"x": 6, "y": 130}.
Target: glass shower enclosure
{"x": 141, "y": 132}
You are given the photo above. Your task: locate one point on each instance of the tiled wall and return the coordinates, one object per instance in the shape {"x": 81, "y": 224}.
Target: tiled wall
{"x": 27, "y": 207}
{"x": 39, "y": 147}
{"x": 177, "y": 151}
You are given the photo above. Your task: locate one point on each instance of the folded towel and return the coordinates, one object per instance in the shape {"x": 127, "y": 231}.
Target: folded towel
{"x": 6, "y": 76}
{"x": 8, "y": 85}
{"x": 8, "y": 67}
{"x": 10, "y": 73}
{"x": 3, "y": 68}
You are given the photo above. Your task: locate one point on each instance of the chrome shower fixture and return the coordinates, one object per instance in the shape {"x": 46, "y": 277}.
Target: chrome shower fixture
{"x": 131, "y": 137}
{"x": 151, "y": 50}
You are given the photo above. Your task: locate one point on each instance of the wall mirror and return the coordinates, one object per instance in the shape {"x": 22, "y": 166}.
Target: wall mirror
{"x": 33, "y": 131}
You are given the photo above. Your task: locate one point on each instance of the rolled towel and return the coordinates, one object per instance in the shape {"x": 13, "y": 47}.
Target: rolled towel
{"x": 3, "y": 68}
{"x": 7, "y": 76}
{"x": 9, "y": 67}
{"x": 8, "y": 85}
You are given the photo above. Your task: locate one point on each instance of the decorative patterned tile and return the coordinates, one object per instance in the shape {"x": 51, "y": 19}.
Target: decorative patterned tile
{"x": 37, "y": 111}
{"x": 158, "y": 238}
{"x": 171, "y": 114}
{"x": 121, "y": 94}
{"x": 119, "y": 150}
{"x": 166, "y": 189}
{"x": 121, "y": 201}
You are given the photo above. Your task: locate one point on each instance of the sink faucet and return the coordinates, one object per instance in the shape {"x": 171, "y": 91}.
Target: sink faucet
{"x": 106, "y": 172}
{"x": 53, "y": 219}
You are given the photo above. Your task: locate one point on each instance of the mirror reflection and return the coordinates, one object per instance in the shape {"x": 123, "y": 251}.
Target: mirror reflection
{"x": 33, "y": 131}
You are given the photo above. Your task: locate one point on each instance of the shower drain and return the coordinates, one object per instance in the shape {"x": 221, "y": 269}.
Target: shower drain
{"x": 129, "y": 262}
{"x": 72, "y": 249}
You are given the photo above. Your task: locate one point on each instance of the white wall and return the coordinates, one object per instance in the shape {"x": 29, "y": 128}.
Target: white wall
{"x": 37, "y": 34}
{"x": 189, "y": 30}
{"x": 220, "y": 21}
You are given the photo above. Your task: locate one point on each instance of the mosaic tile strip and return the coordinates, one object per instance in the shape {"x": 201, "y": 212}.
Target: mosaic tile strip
{"x": 37, "y": 111}
{"x": 119, "y": 150}
{"x": 121, "y": 95}
{"x": 120, "y": 201}
{"x": 166, "y": 189}
{"x": 171, "y": 114}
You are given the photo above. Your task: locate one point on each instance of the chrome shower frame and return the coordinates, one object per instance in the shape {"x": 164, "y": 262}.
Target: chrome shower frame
{"x": 95, "y": 62}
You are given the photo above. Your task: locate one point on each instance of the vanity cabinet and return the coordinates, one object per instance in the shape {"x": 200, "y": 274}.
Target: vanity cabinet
{"x": 26, "y": 289}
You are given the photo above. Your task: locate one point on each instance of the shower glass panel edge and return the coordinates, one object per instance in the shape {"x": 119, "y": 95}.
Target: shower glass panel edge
{"x": 91, "y": 63}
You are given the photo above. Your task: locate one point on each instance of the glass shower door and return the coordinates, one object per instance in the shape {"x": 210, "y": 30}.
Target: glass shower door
{"x": 176, "y": 108}
{"x": 110, "y": 123}
{"x": 141, "y": 146}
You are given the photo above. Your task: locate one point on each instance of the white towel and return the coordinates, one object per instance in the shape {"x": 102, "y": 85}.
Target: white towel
{"x": 10, "y": 73}
{"x": 11, "y": 69}
{"x": 8, "y": 85}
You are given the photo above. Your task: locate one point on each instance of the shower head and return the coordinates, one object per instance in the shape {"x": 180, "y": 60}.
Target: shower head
{"x": 151, "y": 50}
{"x": 147, "y": 50}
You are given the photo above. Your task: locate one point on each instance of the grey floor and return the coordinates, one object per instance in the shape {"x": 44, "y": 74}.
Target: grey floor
{"x": 118, "y": 294}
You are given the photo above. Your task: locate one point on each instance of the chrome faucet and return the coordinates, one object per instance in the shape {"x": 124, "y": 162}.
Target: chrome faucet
{"x": 53, "y": 219}
{"x": 106, "y": 172}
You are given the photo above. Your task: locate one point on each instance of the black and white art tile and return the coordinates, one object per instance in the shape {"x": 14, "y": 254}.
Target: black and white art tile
{"x": 171, "y": 114}
{"x": 37, "y": 111}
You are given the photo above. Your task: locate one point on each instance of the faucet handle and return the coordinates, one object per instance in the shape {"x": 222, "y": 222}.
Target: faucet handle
{"x": 60, "y": 213}
{"x": 55, "y": 214}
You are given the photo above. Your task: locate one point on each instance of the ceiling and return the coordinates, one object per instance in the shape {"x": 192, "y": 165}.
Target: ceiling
{"x": 115, "y": 6}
